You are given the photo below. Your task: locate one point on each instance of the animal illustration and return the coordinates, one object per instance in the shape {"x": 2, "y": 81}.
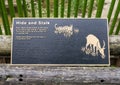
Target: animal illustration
{"x": 93, "y": 43}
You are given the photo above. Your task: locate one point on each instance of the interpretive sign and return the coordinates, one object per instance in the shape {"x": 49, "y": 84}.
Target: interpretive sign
{"x": 60, "y": 42}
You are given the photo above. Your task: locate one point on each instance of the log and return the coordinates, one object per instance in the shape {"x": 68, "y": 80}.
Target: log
{"x": 5, "y": 45}
{"x": 115, "y": 45}
{"x": 38, "y": 75}
{"x": 114, "y": 41}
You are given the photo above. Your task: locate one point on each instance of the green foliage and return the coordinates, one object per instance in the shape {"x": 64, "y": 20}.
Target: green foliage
{"x": 115, "y": 18}
{"x": 99, "y": 8}
{"x": 69, "y": 8}
{"x": 80, "y": 2}
{"x": 76, "y": 7}
{"x": 111, "y": 10}
{"x": 90, "y": 7}
{"x": 11, "y": 8}
{"x": 84, "y": 8}
{"x": 25, "y": 8}
{"x": 48, "y": 8}
{"x": 117, "y": 29}
{"x": 56, "y": 8}
{"x": 33, "y": 8}
{"x": 39, "y": 8}
{"x": 0, "y": 31}
{"x": 19, "y": 7}
{"x": 3, "y": 12}
{"x": 62, "y": 8}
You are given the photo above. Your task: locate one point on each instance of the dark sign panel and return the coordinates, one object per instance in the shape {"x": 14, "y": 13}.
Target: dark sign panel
{"x": 60, "y": 42}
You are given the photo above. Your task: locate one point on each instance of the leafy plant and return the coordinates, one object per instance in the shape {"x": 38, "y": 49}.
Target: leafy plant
{"x": 115, "y": 18}
{"x": 117, "y": 29}
{"x": 90, "y": 7}
{"x": 48, "y": 8}
{"x": 99, "y": 8}
{"x": 11, "y": 8}
{"x": 62, "y": 7}
{"x": 56, "y": 8}
{"x": 25, "y": 8}
{"x": 110, "y": 10}
{"x": 0, "y": 31}
{"x": 19, "y": 7}
{"x": 3, "y": 12}
{"x": 33, "y": 8}
{"x": 69, "y": 8}
{"x": 84, "y": 8}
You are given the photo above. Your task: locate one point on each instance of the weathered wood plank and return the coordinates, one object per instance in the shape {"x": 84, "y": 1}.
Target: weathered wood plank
{"x": 59, "y": 75}
{"x": 114, "y": 45}
{"x": 5, "y": 45}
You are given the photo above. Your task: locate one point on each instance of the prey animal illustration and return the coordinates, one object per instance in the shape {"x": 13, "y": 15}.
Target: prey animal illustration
{"x": 94, "y": 47}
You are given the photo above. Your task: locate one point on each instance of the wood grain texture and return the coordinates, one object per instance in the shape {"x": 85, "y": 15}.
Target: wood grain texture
{"x": 5, "y": 45}
{"x": 59, "y": 75}
{"x": 115, "y": 45}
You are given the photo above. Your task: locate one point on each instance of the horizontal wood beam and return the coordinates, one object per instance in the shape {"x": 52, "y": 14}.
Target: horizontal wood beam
{"x": 37, "y": 75}
{"x": 114, "y": 41}
{"x": 5, "y": 45}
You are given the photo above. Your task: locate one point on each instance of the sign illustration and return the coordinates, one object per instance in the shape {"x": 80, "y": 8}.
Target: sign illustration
{"x": 72, "y": 42}
{"x": 93, "y": 46}
{"x": 67, "y": 31}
